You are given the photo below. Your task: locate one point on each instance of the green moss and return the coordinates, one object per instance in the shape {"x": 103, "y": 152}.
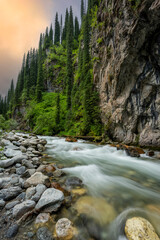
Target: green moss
{"x": 99, "y": 40}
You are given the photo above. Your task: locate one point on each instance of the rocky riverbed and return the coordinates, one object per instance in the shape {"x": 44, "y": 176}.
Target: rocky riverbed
{"x": 35, "y": 196}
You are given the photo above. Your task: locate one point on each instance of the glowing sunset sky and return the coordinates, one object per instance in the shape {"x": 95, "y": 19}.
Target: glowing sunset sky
{"x": 21, "y": 22}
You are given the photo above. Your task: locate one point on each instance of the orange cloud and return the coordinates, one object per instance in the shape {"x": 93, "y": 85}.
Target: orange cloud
{"x": 21, "y": 22}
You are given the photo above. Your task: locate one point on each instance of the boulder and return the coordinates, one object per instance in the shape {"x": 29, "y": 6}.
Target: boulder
{"x": 20, "y": 209}
{"x": 138, "y": 228}
{"x": 64, "y": 229}
{"x": 38, "y": 178}
{"x": 90, "y": 206}
{"x": 51, "y": 198}
{"x": 9, "y": 153}
{"x": 10, "y": 193}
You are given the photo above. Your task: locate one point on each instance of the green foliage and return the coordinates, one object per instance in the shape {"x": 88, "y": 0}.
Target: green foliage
{"x": 43, "y": 116}
{"x": 7, "y": 125}
{"x": 99, "y": 40}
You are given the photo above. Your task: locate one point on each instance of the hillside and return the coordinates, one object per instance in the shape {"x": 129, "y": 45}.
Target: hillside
{"x": 100, "y": 78}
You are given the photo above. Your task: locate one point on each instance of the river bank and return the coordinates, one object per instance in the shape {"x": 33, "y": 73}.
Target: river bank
{"x": 37, "y": 194}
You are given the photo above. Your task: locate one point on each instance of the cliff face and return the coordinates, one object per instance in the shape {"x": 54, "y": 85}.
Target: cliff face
{"x": 126, "y": 49}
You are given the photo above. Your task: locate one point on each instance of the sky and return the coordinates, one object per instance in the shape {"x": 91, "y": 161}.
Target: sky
{"x": 21, "y": 22}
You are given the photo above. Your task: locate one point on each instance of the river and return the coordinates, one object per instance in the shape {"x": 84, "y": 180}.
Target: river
{"x": 117, "y": 186}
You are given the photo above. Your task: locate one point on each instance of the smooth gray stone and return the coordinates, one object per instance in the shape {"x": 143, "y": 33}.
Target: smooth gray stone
{"x": 11, "y": 205}
{"x": 21, "y": 170}
{"x": 10, "y": 193}
{"x": 51, "y": 197}
{"x": 20, "y": 209}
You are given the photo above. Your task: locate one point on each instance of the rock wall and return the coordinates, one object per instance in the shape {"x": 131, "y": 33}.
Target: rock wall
{"x": 126, "y": 52}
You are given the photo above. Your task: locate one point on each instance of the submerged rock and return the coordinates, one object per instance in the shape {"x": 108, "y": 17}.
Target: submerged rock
{"x": 138, "y": 228}
{"x": 96, "y": 208}
{"x": 73, "y": 182}
{"x": 64, "y": 229}
{"x": 44, "y": 234}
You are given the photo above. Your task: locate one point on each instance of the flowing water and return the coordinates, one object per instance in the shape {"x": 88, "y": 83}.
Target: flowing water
{"x": 118, "y": 186}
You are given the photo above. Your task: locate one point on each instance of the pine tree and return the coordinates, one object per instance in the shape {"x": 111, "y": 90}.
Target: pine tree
{"x": 40, "y": 83}
{"x": 77, "y": 31}
{"x": 82, "y": 9}
{"x": 51, "y": 35}
{"x": 46, "y": 40}
{"x": 57, "y": 119}
{"x": 65, "y": 29}
{"x": 33, "y": 73}
{"x": 61, "y": 28}
{"x": 27, "y": 76}
{"x": 57, "y": 31}
{"x": 69, "y": 76}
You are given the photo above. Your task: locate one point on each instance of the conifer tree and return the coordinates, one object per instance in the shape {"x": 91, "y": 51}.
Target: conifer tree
{"x": 77, "y": 31}
{"x": 40, "y": 84}
{"x": 46, "y": 40}
{"x": 61, "y": 28}
{"x": 57, "y": 31}
{"x": 51, "y": 35}
{"x": 65, "y": 29}
{"x": 27, "y": 76}
{"x": 82, "y": 9}
{"x": 57, "y": 119}
{"x": 69, "y": 70}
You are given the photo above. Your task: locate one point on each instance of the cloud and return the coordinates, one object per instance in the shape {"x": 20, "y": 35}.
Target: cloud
{"x": 21, "y": 22}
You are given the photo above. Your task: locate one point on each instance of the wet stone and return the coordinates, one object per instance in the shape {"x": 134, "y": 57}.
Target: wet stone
{"x": 11, "y": 204}
{"x": 12, "y": 231}
{"x": 73, "y": 182}
{"x": 44, "y": 234}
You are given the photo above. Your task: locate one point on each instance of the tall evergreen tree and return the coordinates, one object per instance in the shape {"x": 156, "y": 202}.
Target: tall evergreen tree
{"x": 46, "y": 40}
{"x": 27, "y": 76}
{"x": 82, "y": 9}
{"x": 57, "y": 119}
{"x": 65, "y": 29}
{"x": 51, "y": 35}
{"x": 57, "y": 31}
{"x": 77, "y": 31}
{"x": 69, "y": 76}
{"x": 40, "y": 83}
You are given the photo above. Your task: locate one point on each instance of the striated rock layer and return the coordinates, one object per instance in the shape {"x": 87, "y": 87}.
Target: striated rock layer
{"x": 126, "y": 53}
